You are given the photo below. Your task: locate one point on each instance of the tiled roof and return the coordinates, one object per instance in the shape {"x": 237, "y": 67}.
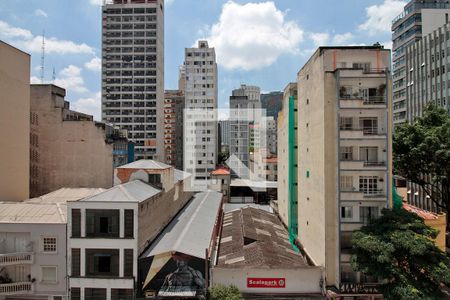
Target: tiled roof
{"x": 424, "y": 214}
{"x": 221, "y": 171}
{"x": 256, "y": 238}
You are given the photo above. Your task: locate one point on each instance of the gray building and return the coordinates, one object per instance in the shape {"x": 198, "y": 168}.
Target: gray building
{"x": 272, "y": 102}
{"x": 133, "y": 72}
{"x": 419, "y": 18}
{"x": 200, "y": 72}
{"x": 225, "y": 131}
{"x": 245, "y": 103}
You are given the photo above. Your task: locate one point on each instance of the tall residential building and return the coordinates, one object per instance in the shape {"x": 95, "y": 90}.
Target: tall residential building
{"x": 344, "y": 154}
{"x": 225, "y": 131}
{"x": 427, "y": 81}
{"x": 245, "y": 105}
{"x": 14, "y": 123}
{"x": 200, "y": 126}
{"x": 419, "y": 18}
{"x": 173, "y": 127}
{"x": 67, "y": 148}
{"x": 133, "y": 72}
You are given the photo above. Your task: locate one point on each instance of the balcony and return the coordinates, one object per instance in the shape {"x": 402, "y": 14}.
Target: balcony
{"x": 356, "y": 132}
{"x": 375, "y": 165}
{"x": 16, "y": 288}
{"x": 18, "y": 258}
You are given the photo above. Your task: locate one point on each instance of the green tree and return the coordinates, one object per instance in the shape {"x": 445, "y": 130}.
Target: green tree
{"x": 222, "y": 292}
{"x": 398, "y": 248}
{"x": 422, "y": 154}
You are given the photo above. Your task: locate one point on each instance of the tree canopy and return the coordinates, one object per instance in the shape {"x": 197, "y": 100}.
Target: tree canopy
{"x": 422, "y": 154}
{"x": 398, "y": 248}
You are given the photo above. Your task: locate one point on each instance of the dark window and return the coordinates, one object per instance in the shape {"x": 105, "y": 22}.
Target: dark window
{"x": 94, "y": 294}
{"x": 102, "y": 223}
{"x": 75, "y": 293}
{"x": 76, "y": 223}
{"x": 102, "y": 262}
{"x": 128, "y": 263}
{"x": 75, "y": 262}
{"x": 121, "y": 294}
{"x": 155, "y": 180}
{"x": 129, "y": 223}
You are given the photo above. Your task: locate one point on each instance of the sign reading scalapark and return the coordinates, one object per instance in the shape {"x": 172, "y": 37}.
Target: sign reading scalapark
{"x": 266, "y": 283}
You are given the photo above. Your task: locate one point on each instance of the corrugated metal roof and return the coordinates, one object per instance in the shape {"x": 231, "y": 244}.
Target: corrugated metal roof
{"x": 256, "y": 238}
{"x": 132, "y": 191}
{"x": 257, "y": 186}
{"x": 46, "y": 209}
{"x": 66, "y": 194}
{"x": 145, "y": 164}
{"x": 191, "y": 230}
{"x": 227, "y": 207}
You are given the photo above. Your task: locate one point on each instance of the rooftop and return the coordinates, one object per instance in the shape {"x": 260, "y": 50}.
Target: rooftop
{"x": 179, "y": 175}
{"x": 424, "y": 214}
{"x": 132, "y": 191}
{"x": 253, "y": 237}
{"x": 47, "y": 209}
{"x": 221, "y": 171}
{"x": 190, "y": 232}
{"x": 145, "y": 164}
{"x": 256, "y": 186}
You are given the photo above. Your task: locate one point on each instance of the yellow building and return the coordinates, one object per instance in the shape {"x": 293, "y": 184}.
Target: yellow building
{"x": 14, "y": 123}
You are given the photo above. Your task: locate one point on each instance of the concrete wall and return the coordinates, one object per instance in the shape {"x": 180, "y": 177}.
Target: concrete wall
{"x": 34, "y": 234}
{"x": 433, "y": 18}
{"x": 69, "y": 153}
{"x": 298, "y": 281}
{"x": 157, "y": 212}
{"x": 14, "y": 123}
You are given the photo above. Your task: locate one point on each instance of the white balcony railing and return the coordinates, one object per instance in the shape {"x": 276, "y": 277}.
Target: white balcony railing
{"x": 16, "y": 288}
{"x": 19, "y": 258}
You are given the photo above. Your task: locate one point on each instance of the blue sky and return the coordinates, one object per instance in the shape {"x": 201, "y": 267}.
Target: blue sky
{"x": 261, "y": 43}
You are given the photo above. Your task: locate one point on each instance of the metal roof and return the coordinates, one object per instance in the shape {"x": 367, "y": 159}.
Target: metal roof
{"x": 46, "y": 209}
{"x": 132, "y": 191}
{"x": 257, "y": 186}
{"x": 253, "y": 237}
{"x": 227, "y": 207}
{"x": 190, "y": 232}
{"x": 145, "y": 164}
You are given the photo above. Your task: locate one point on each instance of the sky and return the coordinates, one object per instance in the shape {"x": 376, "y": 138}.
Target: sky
{"x": 263, "y": 43}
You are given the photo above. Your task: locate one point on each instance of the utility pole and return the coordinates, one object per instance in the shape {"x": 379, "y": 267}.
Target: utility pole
{"x": 42, "y": 56}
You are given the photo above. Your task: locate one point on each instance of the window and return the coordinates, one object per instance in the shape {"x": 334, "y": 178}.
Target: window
{"x": 102, "y": 223}
{"x": 48, "y": 274}
{"x": 49, "y": 244}
{"x": 102, "y": 262}
{"x": 346, "y": 123}
{"x": 347, "y": 212}
{"x": 346, "y": 183}
{"x": 368, "y": 213}
{"x": 368, "y": 185}
{"x": 368, "y": 154}
{"x": 369, "y": 125}
{"x": 346, "y": 153}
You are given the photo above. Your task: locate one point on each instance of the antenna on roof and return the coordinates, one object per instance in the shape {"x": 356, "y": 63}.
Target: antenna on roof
{"x": 42, "y": 56}
{"x": 54, "y": 75}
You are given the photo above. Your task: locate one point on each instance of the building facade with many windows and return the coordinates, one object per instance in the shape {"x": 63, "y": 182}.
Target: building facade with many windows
{"x": 344, "y": 154}
{"x": 133, "y": 72}
{"x": 419, "y": 18}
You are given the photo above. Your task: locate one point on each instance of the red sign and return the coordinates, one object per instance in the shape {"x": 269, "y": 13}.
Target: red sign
{"x": 277, "y": 283}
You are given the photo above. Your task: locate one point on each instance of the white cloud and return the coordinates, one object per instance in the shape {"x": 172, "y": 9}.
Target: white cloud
{"x": 26, "y": 41}
{"x": 54, "y": 45}
{"x": 35, "y": 80}
{"x": 70, "y": 79}
{"x": 40, "y": 13}
{"x": 90, "y": 105}
{"x": 325, "y": 39}
{"x": 253, "y": 36}
{"x": 8, "y": 31}
{"x": 94, "y": 64}
{"x": 169, "y": 2}
{"x": 387, "y": 44}
{"x": 379, "y": 17}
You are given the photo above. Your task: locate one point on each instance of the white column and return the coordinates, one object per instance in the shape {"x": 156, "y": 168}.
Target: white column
{"x": 82, "y": 263}
{"x": 108, "y": 293}
{"x": 121, "y": 258}
{"x": 122, "y": 223}
{"x": 81, "y": 292}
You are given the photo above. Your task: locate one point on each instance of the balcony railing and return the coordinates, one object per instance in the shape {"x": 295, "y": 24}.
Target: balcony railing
{"x": 365, "y": 130}
{"x": 16, "y": 288}
{"x": 373, "y": 193}
{"x": 370, "y": 100}
{"x": 374, "y": 163}
{"x": 16, "y": 258}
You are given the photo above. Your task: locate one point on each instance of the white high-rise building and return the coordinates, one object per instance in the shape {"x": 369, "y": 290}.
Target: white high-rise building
{"x": 200, "y": 125}
{"x": 133, "y": 72}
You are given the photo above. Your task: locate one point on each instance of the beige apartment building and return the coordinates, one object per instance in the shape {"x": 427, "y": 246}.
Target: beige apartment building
{"x": 14, "y": 123}
{"x": 67, "y": 148}
{"x": 344, "y": 156}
